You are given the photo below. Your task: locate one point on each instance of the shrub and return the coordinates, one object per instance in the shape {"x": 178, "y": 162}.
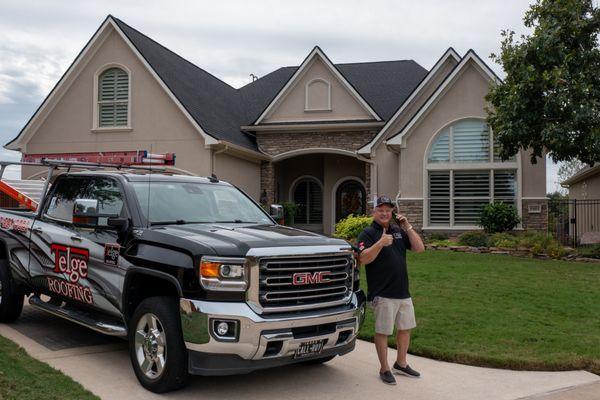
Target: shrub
{"x": 499, "y": 217}
{"x": 504, "y": 240}
{"x": 290, "y": 210}
{"x": 555, "y": 250}
{"x": 532, "y": 239}
{"x": 593, "y": 251}
{"x": 350, "y": 227}
{"x": 437, "y": 237}
{"x": 474, "y": 239}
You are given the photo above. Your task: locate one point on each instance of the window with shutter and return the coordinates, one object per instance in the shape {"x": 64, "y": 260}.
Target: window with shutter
{"x": 439, "y": 194}
{"x": 113, "y": 98}
{"x": 308, "y": 196}
{"x": 465, "y": 173}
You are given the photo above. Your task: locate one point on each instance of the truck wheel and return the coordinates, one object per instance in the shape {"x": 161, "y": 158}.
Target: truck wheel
{"x": 11, "y": 298}
{"x": 156, "y": 347}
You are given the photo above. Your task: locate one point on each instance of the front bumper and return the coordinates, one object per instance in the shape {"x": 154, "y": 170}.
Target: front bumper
{"x": 264, "y": 341}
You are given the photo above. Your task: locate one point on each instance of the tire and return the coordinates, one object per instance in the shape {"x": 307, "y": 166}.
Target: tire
{"x": 158, "y": 354}
{"x": 11, "y": 297}
{"x": 318, "y": 361}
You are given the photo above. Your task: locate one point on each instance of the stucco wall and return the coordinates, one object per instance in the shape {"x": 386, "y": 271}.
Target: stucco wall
{"x": 464, "y": 99}
{"x": 586, "y": 189}
{"x": 242, "y": 173}
{"x": 292, "y": 106}
{"x": 156, "y": 121}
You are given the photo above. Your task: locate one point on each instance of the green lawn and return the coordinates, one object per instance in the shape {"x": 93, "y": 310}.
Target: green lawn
{"x": 503, "y": 311}
{"x": 23, "y": 378}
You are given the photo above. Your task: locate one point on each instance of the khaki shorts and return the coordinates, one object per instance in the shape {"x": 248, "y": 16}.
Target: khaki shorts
{"x": 393, "y": 312}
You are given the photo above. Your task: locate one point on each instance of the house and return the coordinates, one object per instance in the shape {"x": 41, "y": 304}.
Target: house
{"x": 328, "y": 137}
{"x": 584, "y": 205}
{"x": 584, "y": 184}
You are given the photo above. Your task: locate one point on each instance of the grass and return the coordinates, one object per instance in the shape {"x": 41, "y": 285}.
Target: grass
{"x": 502, "y": 311}
{"x": 24, "y": 378}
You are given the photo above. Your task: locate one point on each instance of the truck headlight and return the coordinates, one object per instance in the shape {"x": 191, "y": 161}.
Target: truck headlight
{"x": 223, "y": 274}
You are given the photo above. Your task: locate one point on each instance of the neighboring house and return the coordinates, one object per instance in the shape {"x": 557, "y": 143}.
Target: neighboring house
{"x": 585, "y": 184}
{"x": 329, "y": 137}
{"x": 584, "y": 204}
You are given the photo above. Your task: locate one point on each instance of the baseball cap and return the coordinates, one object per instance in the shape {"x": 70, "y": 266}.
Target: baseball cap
{"x": 381, "y": 200}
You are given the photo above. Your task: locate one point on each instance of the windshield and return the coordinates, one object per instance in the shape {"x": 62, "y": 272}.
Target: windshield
{"x": 193, "y": 202}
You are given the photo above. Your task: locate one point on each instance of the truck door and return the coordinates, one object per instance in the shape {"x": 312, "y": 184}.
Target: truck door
{"x": 77, "y": 265}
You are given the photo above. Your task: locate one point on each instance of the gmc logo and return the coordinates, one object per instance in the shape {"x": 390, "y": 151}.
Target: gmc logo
{"x": 307, "y": 278}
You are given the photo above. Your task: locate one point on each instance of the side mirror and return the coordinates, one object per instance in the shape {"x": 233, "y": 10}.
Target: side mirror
{"x": 276, "y": 212}
{"x": 86, "y": 215}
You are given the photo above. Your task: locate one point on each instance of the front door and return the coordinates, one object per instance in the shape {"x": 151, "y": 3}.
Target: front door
{"x": 350, "y": 198}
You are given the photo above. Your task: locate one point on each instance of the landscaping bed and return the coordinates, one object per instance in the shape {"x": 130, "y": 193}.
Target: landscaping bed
{"x": 503, "y": 311}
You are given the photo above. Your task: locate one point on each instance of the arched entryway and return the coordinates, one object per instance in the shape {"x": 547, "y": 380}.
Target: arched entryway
{"x": 311, "y": 183}
{"x": 350, "y": 198}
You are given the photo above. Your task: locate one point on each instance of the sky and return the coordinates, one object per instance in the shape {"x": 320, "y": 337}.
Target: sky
{"x": 233, "y": 39}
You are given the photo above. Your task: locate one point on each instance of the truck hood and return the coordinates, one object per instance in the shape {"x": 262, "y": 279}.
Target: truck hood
{"x": 237, "y": 239}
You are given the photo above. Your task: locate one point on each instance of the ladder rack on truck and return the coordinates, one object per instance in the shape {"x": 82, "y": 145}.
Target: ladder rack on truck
{"x": 30, "y": 192}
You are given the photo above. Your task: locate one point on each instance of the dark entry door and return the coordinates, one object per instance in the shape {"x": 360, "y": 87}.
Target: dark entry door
{"x": 350, "y": 198}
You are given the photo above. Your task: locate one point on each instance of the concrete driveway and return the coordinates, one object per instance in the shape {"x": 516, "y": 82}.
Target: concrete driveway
{"x": 102, "y": 365}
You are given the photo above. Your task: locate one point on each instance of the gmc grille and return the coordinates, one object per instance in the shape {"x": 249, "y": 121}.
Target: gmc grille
{"x": 277, "y": 291}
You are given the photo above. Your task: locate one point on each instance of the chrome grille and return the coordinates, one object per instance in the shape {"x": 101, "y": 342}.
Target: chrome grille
{"x": 279, "y": 291}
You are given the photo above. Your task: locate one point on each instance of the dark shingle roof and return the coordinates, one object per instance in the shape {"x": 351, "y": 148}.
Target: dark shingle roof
{"x": 213, "y": 104}
{"x": 220, "y": 109}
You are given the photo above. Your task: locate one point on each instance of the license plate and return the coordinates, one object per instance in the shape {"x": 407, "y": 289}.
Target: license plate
{"x": 311, "y": 348}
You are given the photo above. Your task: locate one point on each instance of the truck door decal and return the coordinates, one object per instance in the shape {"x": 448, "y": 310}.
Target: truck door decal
{"x": 111, "y": 253}
{"x": 72, "y": 262}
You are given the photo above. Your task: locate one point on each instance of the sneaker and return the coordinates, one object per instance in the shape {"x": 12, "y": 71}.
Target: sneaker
{"x": 387, "y": 377}
{"x": 408, "y": 371}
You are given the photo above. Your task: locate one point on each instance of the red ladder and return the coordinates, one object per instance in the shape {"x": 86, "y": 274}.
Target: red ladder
{"x": 135, "y": 157}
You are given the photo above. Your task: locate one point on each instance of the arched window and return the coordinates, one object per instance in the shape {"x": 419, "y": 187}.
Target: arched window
{"x": 464, "y": 172}
{"x": 113, "y": 98}
{"x": 308, "y": 196}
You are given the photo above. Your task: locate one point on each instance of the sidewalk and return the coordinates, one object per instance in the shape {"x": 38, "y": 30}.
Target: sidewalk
{"x": 105, "y": 370}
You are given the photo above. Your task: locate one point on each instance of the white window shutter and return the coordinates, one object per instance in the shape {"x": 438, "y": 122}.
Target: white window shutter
{"x": 113, "y": 98}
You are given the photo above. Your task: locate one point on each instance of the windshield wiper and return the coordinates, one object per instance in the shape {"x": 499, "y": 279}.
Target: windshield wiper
{"x": 236, "y": 221}
{"x": 175, "y": 222}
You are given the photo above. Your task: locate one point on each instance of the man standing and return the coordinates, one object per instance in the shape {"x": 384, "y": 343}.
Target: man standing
{"x": 382, "y": 247}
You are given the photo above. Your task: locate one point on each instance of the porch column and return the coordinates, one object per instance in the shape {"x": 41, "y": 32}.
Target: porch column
{"x": 369, "y": 203}
{"x": 267, "y": 183}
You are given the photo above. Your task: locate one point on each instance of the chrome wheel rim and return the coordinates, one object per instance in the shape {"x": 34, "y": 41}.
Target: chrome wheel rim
{"x": 150, "y": 346}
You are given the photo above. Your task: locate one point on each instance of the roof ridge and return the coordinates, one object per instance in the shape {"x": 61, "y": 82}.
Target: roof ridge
{"x": 172, "y": 52}
{"x": 376, "y": 62}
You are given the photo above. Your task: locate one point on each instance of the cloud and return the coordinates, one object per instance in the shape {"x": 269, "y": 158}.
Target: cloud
{"x": 232, "y": 39}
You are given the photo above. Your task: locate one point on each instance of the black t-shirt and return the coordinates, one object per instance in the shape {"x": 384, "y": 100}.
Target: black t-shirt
{"x": 386, "y": 275}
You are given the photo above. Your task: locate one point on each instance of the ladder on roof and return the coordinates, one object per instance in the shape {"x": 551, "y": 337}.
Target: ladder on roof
{"x": 30, "y": 192}
{"x": 123, "y": 158}
{"x": 26, "y": 192}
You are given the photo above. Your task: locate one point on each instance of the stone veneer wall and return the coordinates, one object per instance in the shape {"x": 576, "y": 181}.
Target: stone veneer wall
{"x": 535, "y": 221}
{"x": 275, "y": 143}
{"x": 413, "y": 210}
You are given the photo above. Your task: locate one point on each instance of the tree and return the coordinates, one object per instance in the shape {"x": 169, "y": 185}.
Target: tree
{"x": 567, "y": 169}
{"x": 550, "y": 99}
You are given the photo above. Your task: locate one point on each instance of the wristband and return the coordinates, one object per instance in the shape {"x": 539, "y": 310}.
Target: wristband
{"x": 410, "y": 228}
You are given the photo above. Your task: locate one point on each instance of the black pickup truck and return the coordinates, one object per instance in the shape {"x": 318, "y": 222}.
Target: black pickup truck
{"x": 190, "y": 270}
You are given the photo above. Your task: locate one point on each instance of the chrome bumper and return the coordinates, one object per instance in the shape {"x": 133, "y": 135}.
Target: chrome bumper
{"x": 337, "y": 326}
